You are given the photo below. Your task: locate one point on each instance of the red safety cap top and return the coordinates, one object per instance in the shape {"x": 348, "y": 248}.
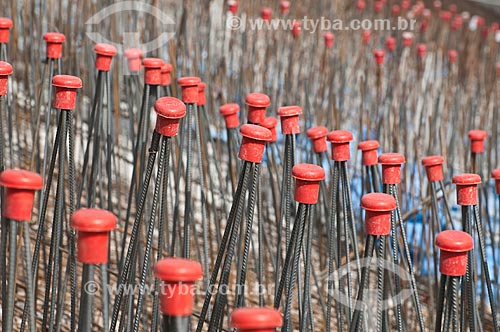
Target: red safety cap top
{"x": 20, "y": 179}
{"x": 284, "y": 6}
{"x": 390, "y": 43}
{"x": 391, "y": 158}
{"x": 477, "y": 135}
{"x": 201, "y": 87}
{"x": 266, "y": 13}
{"x": 270, "y": 122}
{"x": 368, "y": 145}
{"x": 5, "y": 23}
{"x": 256, "y": 132}
{"x": 178, "y": 270}
{"x": 229, "y": 109}
{"x": 132, "y": 53}
{"x": 421, "y": 50}
{"x": 495, "y": 174}
{"x": 378, "y": 202}
{"x": 256, "y": 318}
{"x": 317, "y": 132}
{"x": 5, "y": 68}
{"x": 454, "y": 241}
{"x": 256, "y": 99}
{"x": 167, "y": 68}
{"x": 466, "y": 179}
{"x": 152, "y": 63}
{"x": 67, "y": 81}
{"x": 170, "y": 108}
{"x": 54, "y": 37}
{"x": 93, "y": 220}
{"x": 379, "y": 56}
{"x": 189, "y": 81}
{"x": 308, "y": 172}
{"x": 340, "y": 136}
{"x": 289, "y": 111}
{"x": 105, "y": 49}
{"x": 432, "y": 161}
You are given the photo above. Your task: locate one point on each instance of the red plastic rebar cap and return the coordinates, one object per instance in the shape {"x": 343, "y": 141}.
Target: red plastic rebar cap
{"x": 5, "y": 25}
{"x": 340, "y": 144}
{"x": 167, "y": 68}
{"x": 230, "y": 114}
{"x": 152, "y": 70}
{"x": 452, "y": 56}
{"x": 20, "y": 193}
{"x": 270, "y": 123}
{"x": 257, "y": 103}
{"x": 169, "y": 111}
{"x": 233, "y": 6}
{"x": 454, "y": 247}
{"x": 318, "y": 136}
{"x": 5, "y": 71}
{"x": 178, "y": 270}
{"x": 152, "y": 63}
{"x": 289, "y": 116}
{"x": 390, "y": 44}
{"x": 254, "y": 141}
{"x": 369, "y": 152}
{"x": 329, "y": 38}
{"x": 54, "y": 37}
{"x": 66, "y": 85}
{"x": 178, "y": 276}
{"x": 266, "y": 13}
{"x": 307, "y": 178}
{"x": 201, "y": 94}
{"x": 391, "y": 167}
{"x": 378, "y": 208}
{"x": 379, "y": 56}
{"x": 434, "y": 167}
{"x": 495, "y": 174}
{"x": 93, "y": 220}
{"x": 105, "y": 49}
{"x": 378, "y": 202}
{"x": 391, "y": 158}
{"x": 93, "y": 226}
{"x": 477, "y": 138}
{"x": 284, "y": 6}
{"x": 54, "y": 44}
{"x": 467, "y": 188}
{"x": 67, "y": 81}
{"x": 421, "y": 50}
{"x": 189, "y": 85}
{"x": 407, "y": 38}
{"x": 260, "y": 319}
{"x": 256, "y": 99}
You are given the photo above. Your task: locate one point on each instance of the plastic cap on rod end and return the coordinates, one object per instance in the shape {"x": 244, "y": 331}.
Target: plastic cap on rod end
{"x": 257, "y": 104}
{"x": 271, "y": 123}
{"x": 169, "y": 111}
{"x": 434, "y": 167}
{"x": 256, "y": 319}
{"x": 466, "y": 188}
{"x": 104, "y": 56}
{"x": 93, "y": 226}
{"x": 340, "y": 144}
{"x": 378, "y": 208}
{"x": 20, "y": 193}
{"x": 318, "y": 137}
{"x": 189, "y": 87}
{"x": 329, "y": 38}
{"x": 54, "y": 42}
{"x": 285, "y": 6}
{"x": 367, "y": 34}
{"x": 390, "y": 44}
{"x": 134, "y": 59}
{"x": 202, "y": 100}
{"x": 178, "y": 276}
{"x": 407, "y": 38}
{"x": 391, "y": 167}
{"x": 166, "y": 76}
{"x": 233, "y": 6}
{"x": 230, "y": 114}
{"x": 452, "y": 56}
{"x": 307, "y": 180}
{"x": 289, "y": 116}
{"x": 379, "y": 57}
{"x": 477, "y": 138}
{"x": 5, "y": 26}
{"x": 454, "y": 246}
{"x": 495, "y": 174}
{"x": 152, "y": 70}
{"x": 5, "y": 71}
{"x": 266, "y": 13}
{"x": 254, "y": 142}
{"x": 369, "y": 152}
{"x": 66, "y": 86}
{"x": 421, "y": 50}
